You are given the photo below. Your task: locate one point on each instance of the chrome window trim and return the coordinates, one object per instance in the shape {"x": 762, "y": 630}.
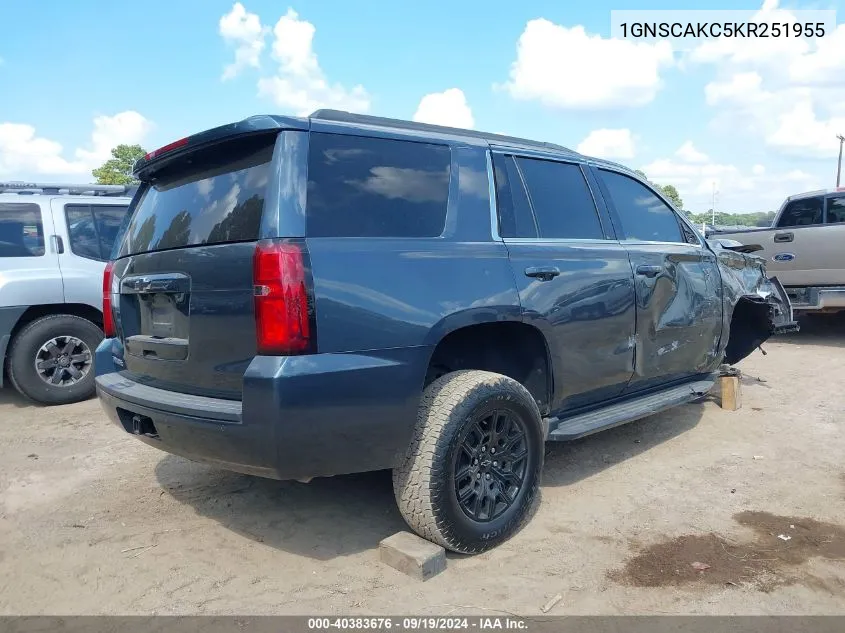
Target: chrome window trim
{"x": 559, "y": 240}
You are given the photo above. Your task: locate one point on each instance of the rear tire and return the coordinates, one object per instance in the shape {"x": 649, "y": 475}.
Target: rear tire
{"x": 56, "y": 343}
{"x": 470, "y": 475}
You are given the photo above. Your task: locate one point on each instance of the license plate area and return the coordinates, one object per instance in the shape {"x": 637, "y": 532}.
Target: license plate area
{"x": 155, "y": 311}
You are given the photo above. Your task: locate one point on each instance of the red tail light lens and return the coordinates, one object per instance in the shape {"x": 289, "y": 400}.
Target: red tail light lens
{"x": 281, "y": 281}
{"x": 167, "y": 148}
{"x": 108, "y": 317}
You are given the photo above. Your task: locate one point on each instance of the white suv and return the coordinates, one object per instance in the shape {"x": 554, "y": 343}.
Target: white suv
{"x": 54, "y": 242}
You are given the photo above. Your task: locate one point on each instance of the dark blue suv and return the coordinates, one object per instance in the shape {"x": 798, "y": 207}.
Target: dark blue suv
{"x": 294, "y": 298}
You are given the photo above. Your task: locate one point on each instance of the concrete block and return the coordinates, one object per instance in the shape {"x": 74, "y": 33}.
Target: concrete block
{"x": 412, "y": 555}
{"x": 731, "y": 393}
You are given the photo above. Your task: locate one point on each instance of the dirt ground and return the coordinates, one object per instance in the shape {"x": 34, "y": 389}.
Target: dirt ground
{"x": 94, "y": 522}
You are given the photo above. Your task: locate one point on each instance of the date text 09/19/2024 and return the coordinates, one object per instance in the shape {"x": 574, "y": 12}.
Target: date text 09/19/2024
{"x": 416, "y": 623}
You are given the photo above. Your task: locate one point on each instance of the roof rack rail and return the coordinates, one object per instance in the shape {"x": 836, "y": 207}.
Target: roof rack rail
{"x": 66, "y": 189}
{"x": 342, "y": 116}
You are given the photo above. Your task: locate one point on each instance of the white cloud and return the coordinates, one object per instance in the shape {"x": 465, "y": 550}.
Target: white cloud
{"x": 799, "y": 131}
{"x": 741, "y": 88}
{"x": 793, "y": 120}
{"x": 738, "y": 190}
{"x": 128, "y": 128}
{"x": 770, "y": 51}
{"x": 24, "y": 154}
{"x": 300, "y": 83}
{"x": 688, "y": 153}
{"x": 244, "y": 31}
{"x": 606, "y": 143}
{"x": 569, "y": 68}
{"x": 788, "y": 91}
{"x": 449, "y": 107}
{"x": 823, "y": 66}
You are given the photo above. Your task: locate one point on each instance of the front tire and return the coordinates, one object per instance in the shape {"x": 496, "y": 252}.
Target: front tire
{"x": 472, "y": 470}
{"x": 51, "y": 360}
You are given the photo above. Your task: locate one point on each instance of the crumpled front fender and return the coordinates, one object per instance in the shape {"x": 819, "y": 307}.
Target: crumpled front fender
{"x": 756, "y": 306}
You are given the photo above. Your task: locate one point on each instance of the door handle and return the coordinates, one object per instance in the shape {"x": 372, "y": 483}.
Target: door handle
{"x": 647, "y": 270}
{"x": 544, "y": 273}
{"x": 784, "y": 237}
{"x": 58, "y": 245}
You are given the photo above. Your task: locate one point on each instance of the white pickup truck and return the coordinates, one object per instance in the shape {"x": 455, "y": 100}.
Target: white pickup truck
{"x": 804, "y": 249}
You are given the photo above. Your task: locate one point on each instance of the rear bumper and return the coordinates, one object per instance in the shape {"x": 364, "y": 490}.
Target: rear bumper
{"x": 306, "y": 416}
{"x": 816, "y": 299}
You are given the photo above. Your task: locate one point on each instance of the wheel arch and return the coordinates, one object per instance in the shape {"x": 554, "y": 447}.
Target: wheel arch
{"x": 487, "y": 340}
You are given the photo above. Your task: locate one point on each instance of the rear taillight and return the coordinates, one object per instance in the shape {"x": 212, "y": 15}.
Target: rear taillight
{"x": 283, "y": 303}
{"x": 167, "y": 148}
{"x": 108, "y": 317}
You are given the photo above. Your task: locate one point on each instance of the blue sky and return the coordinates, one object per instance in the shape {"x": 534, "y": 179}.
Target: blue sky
{"x": 756, "y": 118}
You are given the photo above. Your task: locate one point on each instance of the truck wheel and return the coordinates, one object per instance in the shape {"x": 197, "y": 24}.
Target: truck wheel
{"x": 471, "y": 472}
{"x": 51, "y": 360}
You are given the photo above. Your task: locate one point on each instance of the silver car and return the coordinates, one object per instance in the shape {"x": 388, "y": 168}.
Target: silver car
{"x": 54, "y": 242}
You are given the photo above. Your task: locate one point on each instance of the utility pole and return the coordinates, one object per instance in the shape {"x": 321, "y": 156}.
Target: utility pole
{"x": 839, "y": 164}
{"x": 713, "y": 207}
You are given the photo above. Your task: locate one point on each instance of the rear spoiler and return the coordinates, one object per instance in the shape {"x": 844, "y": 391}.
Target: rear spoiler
{"x": 155, "y": 160}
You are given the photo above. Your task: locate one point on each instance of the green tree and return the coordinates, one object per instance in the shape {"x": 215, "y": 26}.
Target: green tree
{"x": 672, "y": 194}
{"x": 118, "y": 169}
{"x": 668, "y": 191}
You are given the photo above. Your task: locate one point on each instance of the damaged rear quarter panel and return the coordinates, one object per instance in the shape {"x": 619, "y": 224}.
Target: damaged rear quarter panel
{"x": 755, "y": 307}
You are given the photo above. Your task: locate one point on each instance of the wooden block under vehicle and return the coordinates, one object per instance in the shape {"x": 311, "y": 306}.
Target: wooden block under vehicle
{"x": 731, "y": 393}
{"x": 412, "y": 555}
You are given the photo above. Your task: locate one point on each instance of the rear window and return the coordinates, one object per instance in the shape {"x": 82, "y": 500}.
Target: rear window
{"x": 562, "y": 203}
{"x": 21, "y": 230}
{"x": 373, "y": 187}
{"x": 211, "y": 197}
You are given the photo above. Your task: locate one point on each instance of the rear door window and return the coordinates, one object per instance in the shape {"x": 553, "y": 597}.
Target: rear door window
{"x": 21, "y": 230}
{"x": 210, "y": 197}
{"x": 803, "y": 212}
{"x": 515, "y": 216}
{"x": 373, "y": 187}
{"x": 562, "y": 203}
{"x": 93, "y": 228}
{"x": 644, "y": 216}
{"x": 835, "y": 210}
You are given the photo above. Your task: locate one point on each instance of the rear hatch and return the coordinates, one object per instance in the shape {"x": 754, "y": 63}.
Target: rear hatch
{"x": 182, "y": 281}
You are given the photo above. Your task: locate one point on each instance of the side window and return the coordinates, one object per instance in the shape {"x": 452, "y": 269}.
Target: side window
{"x": 643, "y": 215}
{"x": 93, "y": 229}
{"x": 108, "y": 220}
{"x": 562, "y": 203}
{"x": 21, "y": 230}
{"x": 515, "y": 216}
{"x": 835, "y": 210}
{"x": 802, "y": 212}
{"x": 373, "y": 187}
{"x": 82, "y": 231}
